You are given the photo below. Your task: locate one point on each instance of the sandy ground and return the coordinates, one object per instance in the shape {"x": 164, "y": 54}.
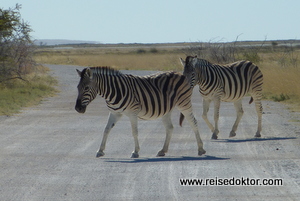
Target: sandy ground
{"x": 47, "y": 152}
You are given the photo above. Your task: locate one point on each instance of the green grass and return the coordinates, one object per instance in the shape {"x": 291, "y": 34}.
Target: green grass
{"x": 17, "y": 94}
{"x": 281, "y": 97}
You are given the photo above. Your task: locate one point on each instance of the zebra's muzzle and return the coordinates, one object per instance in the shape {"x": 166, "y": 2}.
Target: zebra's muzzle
{"x": 79, "y": 107}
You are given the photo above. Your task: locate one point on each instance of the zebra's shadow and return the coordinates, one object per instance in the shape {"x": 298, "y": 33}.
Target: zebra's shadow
{"x": 253, "y": 139}
{"x": 167, "y": 159}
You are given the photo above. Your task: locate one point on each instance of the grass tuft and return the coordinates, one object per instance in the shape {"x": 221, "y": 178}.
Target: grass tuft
{"x": 17, "y": 94}
{"x": 281, "y": 97}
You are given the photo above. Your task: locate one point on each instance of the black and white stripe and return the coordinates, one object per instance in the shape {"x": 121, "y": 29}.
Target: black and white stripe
{"x": 228, "y": 83}
{"x": 144, "y": 97}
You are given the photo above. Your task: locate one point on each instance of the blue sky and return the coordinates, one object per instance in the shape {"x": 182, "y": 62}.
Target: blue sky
{"x": 159, "y": 21}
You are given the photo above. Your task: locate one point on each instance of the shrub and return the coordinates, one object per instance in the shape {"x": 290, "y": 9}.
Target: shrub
{"x": 16, "y": 47}
{"x": 251, "y": 56}
{"x": 281, "y": 97}
{"x": 141, "y": 51}
{"x": 153, "y": 50}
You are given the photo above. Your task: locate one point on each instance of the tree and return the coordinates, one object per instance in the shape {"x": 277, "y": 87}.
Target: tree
{"x": 16, "y": 46}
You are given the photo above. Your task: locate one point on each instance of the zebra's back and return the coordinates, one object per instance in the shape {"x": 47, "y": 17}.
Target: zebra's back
{"x": 159, "y": 94}
{"x": 233, "y": 81}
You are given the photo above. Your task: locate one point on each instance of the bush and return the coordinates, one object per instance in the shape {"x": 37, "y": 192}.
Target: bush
{"x": 251, "y": 56}
{"x": 153, "y": 50}
{"x": 215, "y": 52}
{"x": 223, "y": 53}
{"x": 16, "y": 47}
{"x": 141, "y": 51}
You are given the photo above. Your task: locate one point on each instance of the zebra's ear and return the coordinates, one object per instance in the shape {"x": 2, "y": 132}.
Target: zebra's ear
{"x": 79, "y": 72}
{"x": 89, "y": 73}
{"x": 182, "y": 61}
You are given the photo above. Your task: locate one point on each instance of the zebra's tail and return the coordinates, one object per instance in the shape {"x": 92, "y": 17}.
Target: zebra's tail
{"x": 181, "y": 119}
{"x": 251, "y": 100}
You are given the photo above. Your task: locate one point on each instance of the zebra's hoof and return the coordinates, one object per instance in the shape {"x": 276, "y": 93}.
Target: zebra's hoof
{"x": 134, "y": 155}
{"x": 161, "y": 153}
{"x": 257, "y": 135}
{"x": 99, "y": 154}
{"x": 232, "y": 134}
{"x": 201, "y": 152}
{"x": 214, "y": 137}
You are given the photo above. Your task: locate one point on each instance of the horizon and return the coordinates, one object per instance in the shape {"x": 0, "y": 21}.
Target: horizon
{"x": 78, "y": 42}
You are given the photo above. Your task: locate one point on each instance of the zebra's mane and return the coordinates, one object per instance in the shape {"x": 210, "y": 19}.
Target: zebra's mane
{"x": 200, "y": 62}
{"x": 105, "y": 70}
{"x": 204, "y": 62}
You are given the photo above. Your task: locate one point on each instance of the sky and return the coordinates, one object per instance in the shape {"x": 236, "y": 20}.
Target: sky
{"x": 161, "y": 21}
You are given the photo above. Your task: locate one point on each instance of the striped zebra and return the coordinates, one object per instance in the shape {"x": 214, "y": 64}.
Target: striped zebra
{"x": 144, "y": 97}
{"x": 229, "y": 83}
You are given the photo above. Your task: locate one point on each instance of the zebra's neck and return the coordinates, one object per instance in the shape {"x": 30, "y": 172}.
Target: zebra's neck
{"x": 107, "y": 82}
{"x": 205, "y": 72}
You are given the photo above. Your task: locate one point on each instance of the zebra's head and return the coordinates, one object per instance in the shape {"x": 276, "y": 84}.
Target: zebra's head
{"x": 87, "y": 90}
{"x": 189, "y": 69}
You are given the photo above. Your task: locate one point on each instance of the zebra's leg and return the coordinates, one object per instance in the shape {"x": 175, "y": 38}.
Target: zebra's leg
{"x": 112, "y": 120}
{"x": 206, "y": 103}
{"x": 169, "y": 130}
{"x": 193, "y": 123}
{"x": 259, "y": 109}
{"x": 239, "y": 113}
{"x": 133, "y": 121}
{"x": 217, "y": 103}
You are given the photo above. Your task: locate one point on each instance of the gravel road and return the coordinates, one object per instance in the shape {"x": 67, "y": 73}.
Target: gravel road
{"x": 47, "y": 152}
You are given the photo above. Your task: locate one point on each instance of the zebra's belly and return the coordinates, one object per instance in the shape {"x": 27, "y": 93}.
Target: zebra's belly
{"x": 230, "y": 99}
{"x": 223, "y": 97}
{"x": 150, "y": 115}
{"x": 153, "y": 113}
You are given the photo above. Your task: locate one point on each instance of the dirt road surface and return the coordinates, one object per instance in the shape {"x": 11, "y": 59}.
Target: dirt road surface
{"x": 47, "y": 152}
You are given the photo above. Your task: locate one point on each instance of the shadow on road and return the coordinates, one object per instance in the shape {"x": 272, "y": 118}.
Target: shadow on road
{"x": 254, "y": 139}
{"x": 167, "y": 159}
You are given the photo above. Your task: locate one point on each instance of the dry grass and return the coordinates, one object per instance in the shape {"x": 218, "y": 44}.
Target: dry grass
{"x": 119, "y": 59}
{"x": 16, "y": 94}
{"x": 281, "y": 83}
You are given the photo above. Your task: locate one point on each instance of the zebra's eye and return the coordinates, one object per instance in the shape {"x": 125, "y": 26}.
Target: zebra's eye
{"x": 86, "y": 88}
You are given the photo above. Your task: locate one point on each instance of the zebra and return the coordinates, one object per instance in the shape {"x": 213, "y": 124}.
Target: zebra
{"x": 145, "y": 97}
{"x": 229, "y": 83}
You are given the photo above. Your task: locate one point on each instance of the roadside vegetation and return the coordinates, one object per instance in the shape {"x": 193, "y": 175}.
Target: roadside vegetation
{"x": 16, "y": 94}
{"x": 22, "y": 81}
